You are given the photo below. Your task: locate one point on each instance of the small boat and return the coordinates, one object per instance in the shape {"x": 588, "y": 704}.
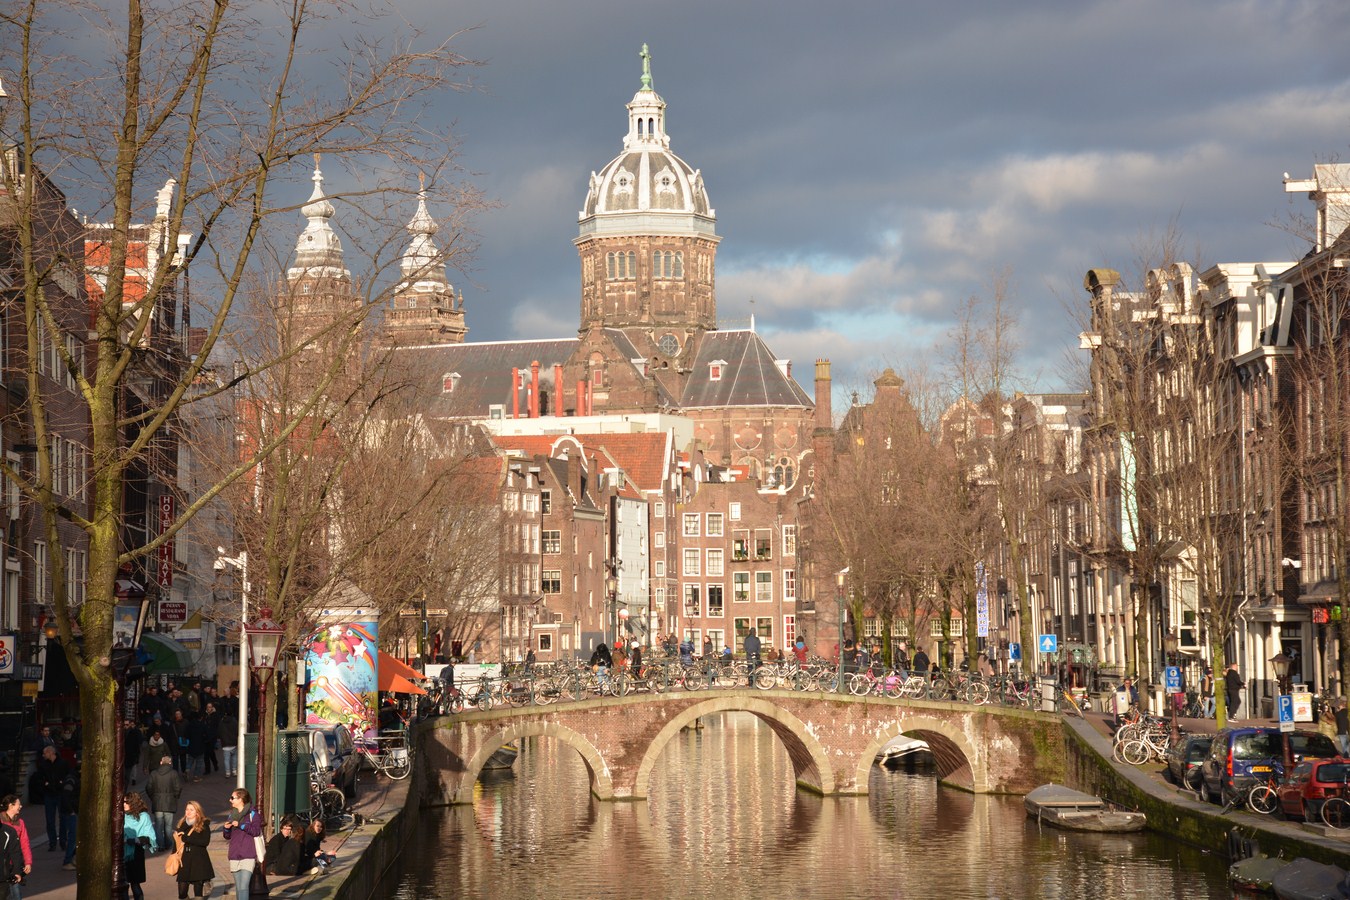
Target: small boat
{"x": 1255, "y": 873}
{"x": 1064, "y": 807}
{"x": 903, "y": 751}
{"x": 503, "y": 758}
{"x": 1304, "y": 879}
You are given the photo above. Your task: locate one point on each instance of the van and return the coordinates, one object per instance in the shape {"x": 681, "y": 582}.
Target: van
{"x": 1241, "y": 758}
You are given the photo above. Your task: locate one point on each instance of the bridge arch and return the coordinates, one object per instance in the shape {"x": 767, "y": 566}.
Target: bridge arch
{"x": 810, "y": 762}
{"x": 952, "y": 750}
{"x": 602, "y": 782}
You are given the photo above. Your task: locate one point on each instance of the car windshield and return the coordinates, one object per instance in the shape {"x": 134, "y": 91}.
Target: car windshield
{"x": 1199, "y": 750}
{"x": 1312, "y": 744}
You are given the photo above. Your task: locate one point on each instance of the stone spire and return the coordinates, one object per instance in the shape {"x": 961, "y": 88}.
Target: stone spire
{"x": 422, "y": 266}
{"x": 646, "y": 113}
{"x": 318, "y": 252}
{"x": 423, "y": 309}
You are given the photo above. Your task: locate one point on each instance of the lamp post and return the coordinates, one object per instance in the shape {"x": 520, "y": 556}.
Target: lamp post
{"x": 264, "y": 636}
{"x": 1048, "y": 623}
{"x": 120, "y": 662}
{"x": 840, "y": 579}
{"x": 612, "y": 593}
{"x": 1004, "y": 663}
{"x": 1170, "y": 644}
{"x": 239, "y": 562}
{"x": 1280, "y": 663}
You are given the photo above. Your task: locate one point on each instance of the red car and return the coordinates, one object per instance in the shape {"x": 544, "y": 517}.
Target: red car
{"x": 1312, "y": 782}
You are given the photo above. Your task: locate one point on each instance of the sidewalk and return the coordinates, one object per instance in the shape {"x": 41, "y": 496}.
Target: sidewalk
{"x": 378, "y": 798}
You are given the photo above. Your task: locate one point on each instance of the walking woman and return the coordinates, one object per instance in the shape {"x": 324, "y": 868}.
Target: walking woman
{"x": 193, "y": 834}
{"x": 138, "y": 836}
{"x": 10, "y": 807}
{"x": 243, "y": 825}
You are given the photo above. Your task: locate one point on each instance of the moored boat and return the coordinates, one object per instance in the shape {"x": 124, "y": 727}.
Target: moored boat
{"x": 904, "y": 751}
{"x": 504, "y": 757}
{"x": 1304, "y": 879}
{"x": 1063, "y": 807}
{"x": 1255, "y": 873}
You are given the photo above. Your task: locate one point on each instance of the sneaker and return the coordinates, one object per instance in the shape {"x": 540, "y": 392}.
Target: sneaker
{"x": 69, "y": 867}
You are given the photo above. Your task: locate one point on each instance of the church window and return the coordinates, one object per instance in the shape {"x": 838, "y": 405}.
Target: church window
{"x": 609, "y": 265}
{"x": 651, "y": 126}
{"x": 678, "y": 270}
{"x": 641, "y": 123}
{"x": 632, "y": 265}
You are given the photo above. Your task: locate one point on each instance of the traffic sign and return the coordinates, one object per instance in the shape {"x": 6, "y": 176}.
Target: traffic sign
{"x": 1286, "y": 712}
{"x": 1048, "y": 643}
{"x": 1014, "y": 651}
{"x": 1173, "y": 679}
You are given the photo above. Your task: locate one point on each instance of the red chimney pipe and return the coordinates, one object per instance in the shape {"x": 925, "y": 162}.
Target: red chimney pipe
{"x": 558, "y": 407}
{"x": 534, "y": 389}
{"x": 515, "y": 393}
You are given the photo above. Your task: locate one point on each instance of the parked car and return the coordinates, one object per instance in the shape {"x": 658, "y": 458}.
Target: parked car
{"x": 333, "y": 749}
{"x": 1240, "y": 758}
{"x": 1185, "y": 756}
{"x": 1313, "y": 780}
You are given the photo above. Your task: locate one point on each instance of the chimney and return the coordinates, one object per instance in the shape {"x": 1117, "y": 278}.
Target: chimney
{"x": 824, "y": 411}
{"x": 581, "y": 397}
{"x": 534, "y": 389}
{"x": 515, "y": 393}
{"x": 558, "y": 407}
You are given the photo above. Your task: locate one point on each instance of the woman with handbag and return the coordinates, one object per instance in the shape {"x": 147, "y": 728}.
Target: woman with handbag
{"x": 244, "y": 829}
{"x": 193, "y": 834}
{"x": 138, "y": 836}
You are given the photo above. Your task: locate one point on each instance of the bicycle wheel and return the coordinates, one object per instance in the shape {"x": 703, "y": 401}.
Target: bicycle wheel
{"x": 1135, "y": 753}
{"x": 1263, "y": 799}
{"x": 331, "y": 802}
{"x": 619, "y": 685}
{"x": 801, "y": 680}
{"x": 940, "y": 689}
{"x": 455, "y": 704}
{"x": 765, "y": 678}
{"x": 1336, "y": 813}
{"x": 978, "y": 693}
{"x": 398, "y": 763}
{"x": 544, "y": 692}
{"x": 483, "y": 700}
{"x": 1192, "y": 778}
{"x": 859, "y": 685}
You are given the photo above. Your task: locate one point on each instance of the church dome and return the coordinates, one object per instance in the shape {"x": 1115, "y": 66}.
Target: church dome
{"x": 647, "y": 189}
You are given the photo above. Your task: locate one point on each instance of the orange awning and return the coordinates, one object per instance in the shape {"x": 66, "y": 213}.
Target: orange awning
{"x": 397, "y": 677}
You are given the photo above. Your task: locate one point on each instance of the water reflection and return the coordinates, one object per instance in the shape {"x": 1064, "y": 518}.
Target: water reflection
{"x": 725, "y": 820}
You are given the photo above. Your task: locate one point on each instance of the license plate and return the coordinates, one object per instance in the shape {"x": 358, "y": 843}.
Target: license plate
{"x": 1260, "y": 768}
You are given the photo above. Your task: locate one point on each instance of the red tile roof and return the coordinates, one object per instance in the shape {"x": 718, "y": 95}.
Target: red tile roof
{"x": 641, "y": 456}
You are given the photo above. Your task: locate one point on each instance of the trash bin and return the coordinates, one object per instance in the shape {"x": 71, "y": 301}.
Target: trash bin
{"x": 291, "y": 762}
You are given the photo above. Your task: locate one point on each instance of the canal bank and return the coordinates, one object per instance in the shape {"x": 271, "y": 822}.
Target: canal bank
{"x": 1178, "y": 814}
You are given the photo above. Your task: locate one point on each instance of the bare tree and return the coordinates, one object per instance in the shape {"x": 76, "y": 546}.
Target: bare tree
{"x": 214, "y": 99}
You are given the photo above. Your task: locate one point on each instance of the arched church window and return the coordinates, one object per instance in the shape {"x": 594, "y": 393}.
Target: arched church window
{"x": 677, "y": 271}
{"x": 641, "y": 123}
{"x": 651, "y": 126}
{"x": 632, "y": 264}
{"x": 609, "y": 265}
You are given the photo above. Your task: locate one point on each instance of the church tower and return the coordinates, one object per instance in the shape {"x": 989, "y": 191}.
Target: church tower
{"x": 424, "y": 309}
{"x": 647, "y": 238}
{"x": 322, "y": 297}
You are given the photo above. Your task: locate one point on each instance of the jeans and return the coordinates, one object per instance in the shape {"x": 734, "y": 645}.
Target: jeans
{"x": 68, "y": 822}
{"x": 242, "y": 870}
{"x": 229, "y": 755}
{"x": 1344, "y": 741}
{"x": 1234, "y": 701}
{"x": 53, "y": 805}
{"x": 1209, "y": 706}
{"x": 163, "y": 828}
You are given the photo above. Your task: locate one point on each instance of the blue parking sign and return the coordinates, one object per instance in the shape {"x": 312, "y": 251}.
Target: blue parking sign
{"x": 1014, "y": 650}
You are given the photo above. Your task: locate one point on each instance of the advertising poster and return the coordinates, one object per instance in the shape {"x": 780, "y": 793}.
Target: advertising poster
{"x": 341, "y": 662}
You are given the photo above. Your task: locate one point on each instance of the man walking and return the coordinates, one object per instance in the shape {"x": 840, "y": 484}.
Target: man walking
{"x": 1232, "y": 686}
{"x": 164, "y": 786}
{"x": 1343, "y": 727}
{"x": 751, "y": 653}
{"x": 53, "y": 771}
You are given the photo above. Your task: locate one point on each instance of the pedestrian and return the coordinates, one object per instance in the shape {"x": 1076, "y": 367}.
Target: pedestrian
{"x": 985, "y": 668}
{"x": 686, "y": 652}
{"x": 529, "y": 663}
{"x": 180, "y": 730}
{"x": 1207, "y": 693}
{"x": 635, "y": 660}
{"x": 52, "y": 771}
{"x": 211, "y": 735}
{"x": 751, "y": 654}
{"x": 11, "y": 857}
{"x": 164, "y": 787}
{"x": 920, "y": 660}
{"x": 192, "y": 836}
{"x": 229, "y": 739}
{"x": 1232, "y": 688}
{"x": 10, "y": 807}
{"x": 243, "y": 825}
{"x": 283, "y": 850}
{"x": 1343, "y": 727}
{"x": 311, "y": 848}
{"x": 196, "y": 747}
{"x": 902, "y": 659}
{"x": 70, "y": 810}
{"x": 138, "y": 836}
{"x": 153, "y": 749}
{"x": 799, "y": 651}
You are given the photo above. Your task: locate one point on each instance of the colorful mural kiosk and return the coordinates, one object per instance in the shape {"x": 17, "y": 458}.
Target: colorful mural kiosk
{"x": 342, "y": 668}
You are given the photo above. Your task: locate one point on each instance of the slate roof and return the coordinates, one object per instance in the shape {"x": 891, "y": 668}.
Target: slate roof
{"x": 484, "y": 373}
{"x": 750, "y": 377}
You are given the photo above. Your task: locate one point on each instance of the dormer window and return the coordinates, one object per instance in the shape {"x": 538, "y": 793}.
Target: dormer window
{"x": 448, "y": 382}
{"x": 715, "y": 369}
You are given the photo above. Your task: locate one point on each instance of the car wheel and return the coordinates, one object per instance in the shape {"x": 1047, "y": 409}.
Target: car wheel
{"x": 1205, "y": 795}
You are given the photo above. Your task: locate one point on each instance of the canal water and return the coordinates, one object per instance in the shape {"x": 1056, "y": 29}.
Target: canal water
{"x": 726, "y": 820}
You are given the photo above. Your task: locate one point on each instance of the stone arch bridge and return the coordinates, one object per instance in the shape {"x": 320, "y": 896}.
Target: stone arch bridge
{"x": 831, "y": 740}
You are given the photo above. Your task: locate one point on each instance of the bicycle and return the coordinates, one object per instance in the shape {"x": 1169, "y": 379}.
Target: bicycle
{"x": 389, "y": 755}
{"x": 1150, "y": 745}
{"x": 325, "y": 801}
{"x": 1262, "y": 798}
{"x": 1336, "y": 810}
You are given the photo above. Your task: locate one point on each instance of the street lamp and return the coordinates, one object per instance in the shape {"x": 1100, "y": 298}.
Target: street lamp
{"x": 1170, "y": 644}
{"x": 239, "y": 562}
{"x": 264, "y": 637}
{"x": 840, "y": 579}
{"x": 1004, "y": 662}
{"x": 128, "y": 626}
{"x": 1280, "y": 663}
{"x": 612, "y": 592}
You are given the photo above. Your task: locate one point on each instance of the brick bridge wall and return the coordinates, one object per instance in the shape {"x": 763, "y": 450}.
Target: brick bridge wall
{"x": 831, "y": 740}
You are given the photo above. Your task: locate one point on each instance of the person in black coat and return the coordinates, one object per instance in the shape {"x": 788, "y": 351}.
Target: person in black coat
{"x": 194, "y": 834}
{"x": 196, "y": 746}
{"x": 131, "y": 752}
{"x": 211, "y": 727}
{"x": 283, "y": 850}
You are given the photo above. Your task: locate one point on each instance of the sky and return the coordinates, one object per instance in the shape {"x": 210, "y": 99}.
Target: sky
{"x": 874, "y": 165}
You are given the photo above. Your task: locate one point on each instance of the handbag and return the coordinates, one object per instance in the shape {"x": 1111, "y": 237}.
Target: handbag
{"x": 174, "y": 861}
